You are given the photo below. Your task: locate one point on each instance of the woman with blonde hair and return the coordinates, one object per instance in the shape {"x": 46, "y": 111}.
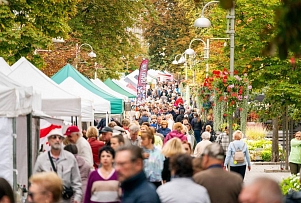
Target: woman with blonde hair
{"x": 176, "y": 132}
{"x": 236, "y": 146}
{"x": 172, "y": 147}
{"x": 45, "y": 187}
{"x": 92, "y": 134}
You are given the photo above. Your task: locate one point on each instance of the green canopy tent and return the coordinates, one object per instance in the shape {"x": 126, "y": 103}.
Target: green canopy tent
{"x": 118, "y": 89}
{"x": 69, "y": 71}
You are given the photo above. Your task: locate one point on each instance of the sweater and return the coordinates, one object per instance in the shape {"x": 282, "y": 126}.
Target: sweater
{"x": 183, "y": 189}
{"x": 164, "y": 131}
{"x": 102, "y": 190}
{"x": 295, "y": 154}
{"x": 138, "y": 190}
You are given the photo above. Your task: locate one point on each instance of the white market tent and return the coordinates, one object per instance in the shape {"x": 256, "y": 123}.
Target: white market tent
{"x": 104, "y": 87}
{"x": 100, "y": 105}
{"x": 16, "y": 101}
{"x": 4, "y": 67}
{"x": 55, "y": 101}
{"x": 123, "y": 84}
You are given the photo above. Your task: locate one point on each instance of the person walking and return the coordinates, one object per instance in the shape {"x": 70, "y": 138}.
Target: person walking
{"x": 103, "y": 185}
{"x": 92, "y": 134}
{"x": 84, "y": 168}
{"x": 238, "y": 145}
{"x": 84, "y": 149}
{"x": 45, "y": 187}
{"x": 63, "y": 163}
{"x": 182, "y": 188}
{"x": 213, "y": 174}
{"x": 295, "y": 154}
{"x": 197, "y": 126}
{"x": 176, "y": 132}
{"x": 134, "y": 184}
{"x": 164, "y": 130}
{"x": 153, "y": 159}
{"x": 200, "y": 147}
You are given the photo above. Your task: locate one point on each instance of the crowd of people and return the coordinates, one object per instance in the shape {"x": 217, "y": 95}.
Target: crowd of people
{"x": 166, "y": 153}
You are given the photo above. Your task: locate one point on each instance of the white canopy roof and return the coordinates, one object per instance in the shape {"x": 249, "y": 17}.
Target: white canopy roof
{"x": 105, "y": 88}
{"x": 123, "y": 84}
{"x": 55, "y": 101}
{"x": 4, "y": 67}
{"x": 17, "y": 100}
{"x": 100, "y": 105}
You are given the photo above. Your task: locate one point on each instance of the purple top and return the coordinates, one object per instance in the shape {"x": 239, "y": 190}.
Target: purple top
{"x": 101, "y": 190}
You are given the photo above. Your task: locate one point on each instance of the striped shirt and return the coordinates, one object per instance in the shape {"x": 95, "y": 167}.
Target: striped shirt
{"x": 101, "y": 190}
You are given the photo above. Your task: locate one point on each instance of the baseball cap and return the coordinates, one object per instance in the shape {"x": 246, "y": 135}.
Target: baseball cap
{"x": 106, "y": 129}
{"x": 214, "y": 150}
{"x": 72, "y": 129}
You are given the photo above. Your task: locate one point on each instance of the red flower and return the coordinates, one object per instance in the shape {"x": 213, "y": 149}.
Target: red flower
{"x": 235, "y": 72}
{"x": 216, "y": 72}
{"x": 233, "y": 102}
{"x": 225, "y": 80}
{"x": 225, "y": 115}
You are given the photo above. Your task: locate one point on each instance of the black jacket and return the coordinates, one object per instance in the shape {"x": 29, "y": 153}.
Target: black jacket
{"x": 138, "y": 190}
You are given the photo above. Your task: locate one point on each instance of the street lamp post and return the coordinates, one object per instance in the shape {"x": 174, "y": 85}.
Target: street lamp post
{"x": 91, "y": 54}
{"x": 205, "y": 23}
{"x": 180, "y": 61}
{"x": 190, "y": 51}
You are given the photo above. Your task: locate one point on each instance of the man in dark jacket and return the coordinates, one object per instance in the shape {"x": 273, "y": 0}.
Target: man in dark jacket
{"x": 129, "y": 167}
{"x": 144, "y": 118}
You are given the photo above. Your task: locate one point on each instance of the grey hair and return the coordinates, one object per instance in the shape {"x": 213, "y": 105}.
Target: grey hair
{"x": 206, "y": 135}
{"x": 134, "y": 128}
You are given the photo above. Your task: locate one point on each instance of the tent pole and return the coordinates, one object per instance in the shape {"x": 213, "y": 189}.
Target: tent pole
{"x": 29, "y": 143}
{"x": 15, "y": 172}
{"x": 76, "y": 123}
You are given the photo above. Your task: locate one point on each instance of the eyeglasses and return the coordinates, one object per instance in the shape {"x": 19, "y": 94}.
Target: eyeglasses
{"x": 186, "y": 124}
{"x": 56, "y": 136}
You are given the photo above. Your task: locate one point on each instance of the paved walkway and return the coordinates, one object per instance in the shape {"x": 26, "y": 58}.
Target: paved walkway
{"x": 258, "y": 171}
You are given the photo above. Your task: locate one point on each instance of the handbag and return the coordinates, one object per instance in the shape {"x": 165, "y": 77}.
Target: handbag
{"x": 67, "y": 192}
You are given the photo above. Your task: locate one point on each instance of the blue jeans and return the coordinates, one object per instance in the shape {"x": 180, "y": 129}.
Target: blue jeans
{"x": 197, "y": 135}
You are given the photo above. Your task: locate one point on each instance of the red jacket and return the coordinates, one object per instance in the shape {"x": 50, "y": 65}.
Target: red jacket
{"x": 178, "y": 101}
{"x": 95, "y": 145}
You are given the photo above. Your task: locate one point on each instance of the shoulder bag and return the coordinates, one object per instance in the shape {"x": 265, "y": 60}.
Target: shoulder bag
{"x": 67, "y": 191}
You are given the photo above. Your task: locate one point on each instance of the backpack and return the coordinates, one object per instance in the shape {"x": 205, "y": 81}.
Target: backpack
{"x": 239, "y": 155}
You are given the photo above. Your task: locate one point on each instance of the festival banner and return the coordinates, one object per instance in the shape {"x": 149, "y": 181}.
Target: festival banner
{"x": 142, "y": 81}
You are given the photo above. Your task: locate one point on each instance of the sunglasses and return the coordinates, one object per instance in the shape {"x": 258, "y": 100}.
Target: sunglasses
{"x": 56, "y": 136}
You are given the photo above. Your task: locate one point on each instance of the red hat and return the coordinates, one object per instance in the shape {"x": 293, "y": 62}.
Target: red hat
{"x": 71, "y": 129}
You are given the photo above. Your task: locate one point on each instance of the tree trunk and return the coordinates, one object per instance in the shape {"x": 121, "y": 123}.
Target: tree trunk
{"x": 275, "y": 143}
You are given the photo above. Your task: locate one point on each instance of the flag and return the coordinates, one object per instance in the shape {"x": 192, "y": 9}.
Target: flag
{"x": 142, "y": 81}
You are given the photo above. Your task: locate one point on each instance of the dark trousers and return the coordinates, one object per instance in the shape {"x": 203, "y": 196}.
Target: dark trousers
{"x": 157, "y": 184}
{"x": 295, "y": 168}
{"x": 197, "y": 135}
{"x": 239, "y": 169}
